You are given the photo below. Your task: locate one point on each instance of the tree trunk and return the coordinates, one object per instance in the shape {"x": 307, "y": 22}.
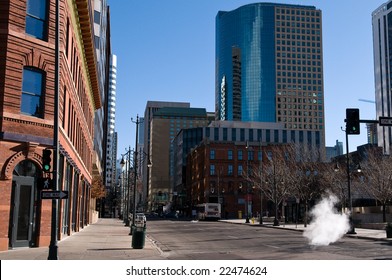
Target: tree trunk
{"x": 306, "y": 214}
{"x": 384, "y": 215}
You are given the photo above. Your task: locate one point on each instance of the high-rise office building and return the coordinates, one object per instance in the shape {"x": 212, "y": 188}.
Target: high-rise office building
{"x": 382, "y": 41}
{"x": 269, "y": 66}
{"x": 163, "y": 121}
{"x": 111, "y": 137}
{"x": 145, "y": 133}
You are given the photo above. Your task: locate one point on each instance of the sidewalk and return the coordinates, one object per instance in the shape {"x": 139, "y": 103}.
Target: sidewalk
{"x": 108, "y": 239}
{"x": 363, "y": 233}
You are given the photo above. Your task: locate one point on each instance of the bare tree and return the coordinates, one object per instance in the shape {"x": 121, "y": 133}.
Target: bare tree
{"x": 270, "y": 175}
{"x": 305, "y": 176}
{"x": 334, "y": 180}
{"x": 377, "y": 179}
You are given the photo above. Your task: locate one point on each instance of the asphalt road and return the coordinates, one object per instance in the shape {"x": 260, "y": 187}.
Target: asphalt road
{"x": 219, "y": 241}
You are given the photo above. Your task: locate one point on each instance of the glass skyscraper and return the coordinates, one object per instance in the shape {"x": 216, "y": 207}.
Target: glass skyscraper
{"x": 269, "y": 66}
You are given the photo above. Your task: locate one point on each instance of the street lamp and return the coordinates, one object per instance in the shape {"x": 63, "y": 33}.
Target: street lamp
{"x": 120, "y": 202}
{"x": 127, "y": 193}
{"x": 245, "y": 203}
{"x": 260, "y": 157}
{"x": 358, "y": 169}
{"x": 276, "y": 221}
{"x": 247, "y": 184}
{"x": 137, "y": 122}
{"x": 135, "y": 165}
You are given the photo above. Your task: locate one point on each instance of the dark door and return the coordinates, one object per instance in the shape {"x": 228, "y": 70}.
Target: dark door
{"x": 21, "y": 220}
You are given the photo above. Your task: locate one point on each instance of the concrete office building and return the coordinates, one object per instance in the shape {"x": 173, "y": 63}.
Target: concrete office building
{"x": 145, "y": 134}
{"x": 382, "y": 42}
{"x": 105, "y": 116}
{"x": 164, "y": 126}
{"x": 111, "y": 136}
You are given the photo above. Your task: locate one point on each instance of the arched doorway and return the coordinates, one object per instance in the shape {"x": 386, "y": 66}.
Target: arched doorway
{"x": 23, "y": 220}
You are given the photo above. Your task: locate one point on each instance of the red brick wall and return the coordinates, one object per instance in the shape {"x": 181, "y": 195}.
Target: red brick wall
{"x": 32, "y": 134}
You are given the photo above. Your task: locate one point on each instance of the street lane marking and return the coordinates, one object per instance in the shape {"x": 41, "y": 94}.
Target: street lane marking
{"x": 275, "y": 247}
{"x": 234, "y": 237}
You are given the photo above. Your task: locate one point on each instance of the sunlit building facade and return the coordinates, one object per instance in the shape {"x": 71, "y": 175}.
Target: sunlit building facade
{"x": 28, "y": 119}
{"x": 382, "y": 44}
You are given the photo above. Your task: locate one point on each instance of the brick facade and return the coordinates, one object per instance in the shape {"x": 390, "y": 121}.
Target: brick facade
{"x": 23, "y": 137}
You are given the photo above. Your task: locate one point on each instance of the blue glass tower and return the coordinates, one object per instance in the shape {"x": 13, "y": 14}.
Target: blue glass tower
{"x": 269, "y": 66}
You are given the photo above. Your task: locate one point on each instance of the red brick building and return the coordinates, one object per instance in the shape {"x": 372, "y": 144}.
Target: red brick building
{"x": 27, "y": 87}
{"x": 215, "y": 172}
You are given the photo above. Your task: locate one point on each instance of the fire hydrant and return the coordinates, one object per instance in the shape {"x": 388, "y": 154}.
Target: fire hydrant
{"x": 253, "y": 220}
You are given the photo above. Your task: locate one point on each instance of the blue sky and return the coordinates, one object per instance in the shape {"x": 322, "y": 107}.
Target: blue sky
{"x": 166, "y": 52}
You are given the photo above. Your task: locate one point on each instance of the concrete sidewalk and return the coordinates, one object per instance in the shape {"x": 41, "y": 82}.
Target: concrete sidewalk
{"x": 108, "y": 239}
{"x": 363, "y": 233}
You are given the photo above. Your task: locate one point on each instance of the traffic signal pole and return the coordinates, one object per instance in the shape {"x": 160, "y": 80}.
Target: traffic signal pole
{"x": 53, "y": 247}
{"x": 352, "y": 128}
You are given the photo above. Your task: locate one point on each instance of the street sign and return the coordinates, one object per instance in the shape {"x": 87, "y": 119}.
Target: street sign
{"x": 386, "y": 121}
{"x": 54, "y": 194}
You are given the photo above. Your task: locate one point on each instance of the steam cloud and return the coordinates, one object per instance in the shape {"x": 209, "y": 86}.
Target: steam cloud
{"x": 327, "y": 225}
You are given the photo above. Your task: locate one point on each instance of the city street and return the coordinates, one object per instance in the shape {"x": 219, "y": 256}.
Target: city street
{"x": 109, "y": 239}
{"x": 217, "y": 240}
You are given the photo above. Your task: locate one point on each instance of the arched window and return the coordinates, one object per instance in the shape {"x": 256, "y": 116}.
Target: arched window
{"x": 26, "y": 168}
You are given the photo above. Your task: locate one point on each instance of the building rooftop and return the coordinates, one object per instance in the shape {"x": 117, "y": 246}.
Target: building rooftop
{"x": 180, "y": 112}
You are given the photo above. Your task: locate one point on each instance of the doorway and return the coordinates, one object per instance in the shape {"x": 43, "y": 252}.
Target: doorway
{"x": 22, "y": 222}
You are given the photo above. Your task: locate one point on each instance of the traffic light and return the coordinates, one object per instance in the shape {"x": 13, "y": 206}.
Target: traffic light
{"x": 44, "y": 183}
{"x": 46, "y": 160}
{"x": 352, "y": 121}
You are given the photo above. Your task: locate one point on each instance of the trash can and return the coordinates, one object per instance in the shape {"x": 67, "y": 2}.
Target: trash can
{"x": 138, "y": 236}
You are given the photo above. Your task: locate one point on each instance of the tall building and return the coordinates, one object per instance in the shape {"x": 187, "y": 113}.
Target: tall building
{"x": 335, "y": 151}
{"x": 382, "y": 40}
{"x": 269, "y": 66}
{"x": 145, "y": 134}
{"x": 102, "y": 48}
{"x": 111, "y": 137}
{"x": 104, "y": 139}
{"x": 164, "y": 124}
{"x": 28, "y": 79}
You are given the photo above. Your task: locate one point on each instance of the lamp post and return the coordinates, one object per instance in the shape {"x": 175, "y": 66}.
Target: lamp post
{"x": 276, "y": 221}
{"x": 261, "y": 182}
{"x": 245, "y": 203}
{"x": 350, "y": 202}
{"x": 137, "y": 122}
{"x": 247, "y": 183}
{"x": 127, "y": 193}
{"x": 120, "y": 199}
